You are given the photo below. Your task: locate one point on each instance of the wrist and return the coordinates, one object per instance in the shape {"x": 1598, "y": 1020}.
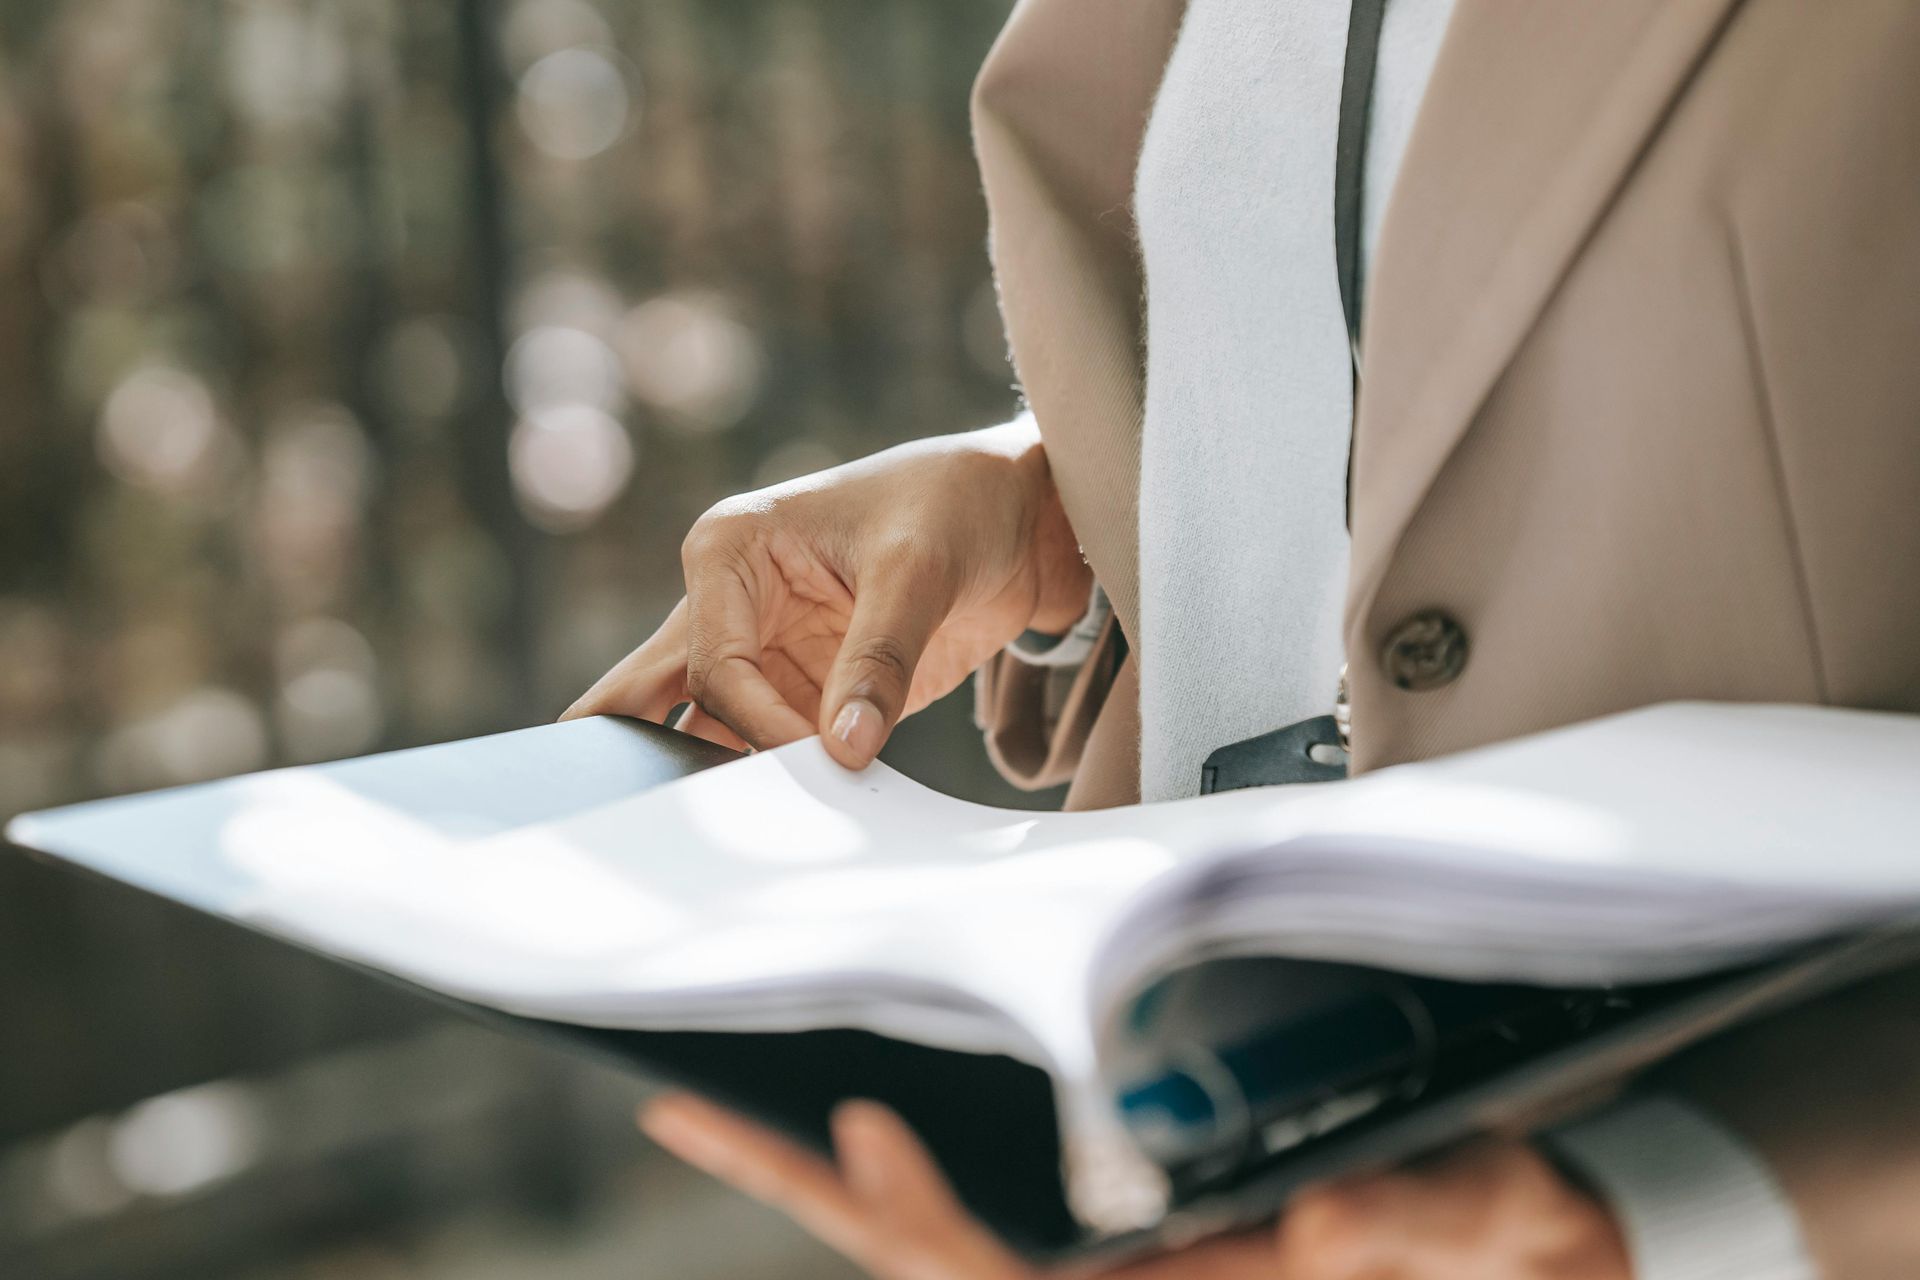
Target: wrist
{"x": 1063, "y": 580}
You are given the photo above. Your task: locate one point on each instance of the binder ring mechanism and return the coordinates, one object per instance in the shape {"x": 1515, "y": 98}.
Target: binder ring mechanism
{"x": 1239, "y": 1137}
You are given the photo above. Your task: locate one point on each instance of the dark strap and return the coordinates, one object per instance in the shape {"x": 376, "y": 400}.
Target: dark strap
{"x": 1308, "y": 751}
{"x": 1349, "y": 183}
{"x": 1312, "y": 750}
{"x": 1350, "y": 156}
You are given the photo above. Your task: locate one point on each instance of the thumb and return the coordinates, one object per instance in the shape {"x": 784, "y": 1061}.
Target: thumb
{"x": 866, "y": 692}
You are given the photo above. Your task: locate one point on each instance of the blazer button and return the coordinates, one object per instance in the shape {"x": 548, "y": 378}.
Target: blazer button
{"x": 1427, "y": 651}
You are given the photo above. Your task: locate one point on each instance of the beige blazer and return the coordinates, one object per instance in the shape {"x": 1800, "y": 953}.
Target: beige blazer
{"x": 1640, "y": 413}
{"x": 1640, "y": 420}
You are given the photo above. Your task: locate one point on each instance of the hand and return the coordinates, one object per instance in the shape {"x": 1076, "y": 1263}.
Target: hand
{"x": 840, "y": 602}
{"x": 1491, "y": 1210}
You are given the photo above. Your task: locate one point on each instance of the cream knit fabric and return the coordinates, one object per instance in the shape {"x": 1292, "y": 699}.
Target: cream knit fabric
{"x": 1243, "y": 542}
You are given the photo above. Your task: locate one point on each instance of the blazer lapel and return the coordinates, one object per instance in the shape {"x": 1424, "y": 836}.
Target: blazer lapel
{"x": 1058, "y": 115}
{"x": 1532, "y": 121}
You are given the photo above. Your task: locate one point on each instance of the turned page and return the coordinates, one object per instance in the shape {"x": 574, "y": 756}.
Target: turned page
{"x": 773, "y": 892}
{"x": 1657, "y": 844}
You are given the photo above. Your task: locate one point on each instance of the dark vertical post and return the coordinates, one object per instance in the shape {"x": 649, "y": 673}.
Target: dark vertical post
{"x": 368, "y": 311}
{"x": 483, "y": 454}
{"x": 542, "y": 1161}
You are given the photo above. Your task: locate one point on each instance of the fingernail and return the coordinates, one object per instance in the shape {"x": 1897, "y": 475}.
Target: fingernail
{"x": 860, "y": 1137}
{"x": 858, "y": 725}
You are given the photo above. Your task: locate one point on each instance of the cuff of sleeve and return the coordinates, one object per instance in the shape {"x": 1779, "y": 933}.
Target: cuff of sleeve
{"x": 1693, "y": 1201}
{"x": 1037, "y": 649}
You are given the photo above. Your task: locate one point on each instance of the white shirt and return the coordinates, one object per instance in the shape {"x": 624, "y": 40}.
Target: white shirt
{"x": 1243, "y": 539}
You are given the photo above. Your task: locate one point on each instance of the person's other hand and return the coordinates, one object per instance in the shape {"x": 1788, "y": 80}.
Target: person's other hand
{"x": 840, "y": 602}
{"x": 1490, "y": 1210}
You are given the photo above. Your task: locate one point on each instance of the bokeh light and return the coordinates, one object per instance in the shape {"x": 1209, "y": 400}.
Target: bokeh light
{"x": 286, "y": 63}
{"x": 687, "y": 357}
{"x": 159, "y": 430}
{"x": 557, "y": 365}
{"x": 315, "y": 473}
{"x": 329, "y": 701}
{"x": 209, "y": 732}
{"x": 80, "y": 1181}
{"x": 180, "y": 1142}
{"x": 569, "y": 298}
{"x": 568, "y": 463}
{"x": 574, "y": 103}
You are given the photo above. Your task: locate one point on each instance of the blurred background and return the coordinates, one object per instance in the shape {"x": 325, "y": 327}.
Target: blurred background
{"x": 361, "y": 365}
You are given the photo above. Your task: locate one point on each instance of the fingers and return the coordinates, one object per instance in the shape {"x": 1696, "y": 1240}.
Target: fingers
{"x": 866, "y": 692}
{"x": 762, "y": 1165}
{"x": 1489, "y": 1208}
{"x": 711, "y": 649}
{"x": 701, "y": 725}
{"x": 647, "y": 683}
{"x": 922, "y": 1230}
{"x": 1341, "y": 1231}
{"x": 1243, "y": 1256}
{"x": 887, "y": 1206}
{"x": 707, "y": 651}
{"x": 723, "y": 663}
{"x": 650, "y": 682}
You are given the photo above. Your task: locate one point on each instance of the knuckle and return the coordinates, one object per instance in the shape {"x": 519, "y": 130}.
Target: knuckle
{"x": 1329, "y": 1224}
{"x": 899, "y": 550}
{"x": 703, "y": 540}
{"x": 700, "y": 667}
{"x": 717, "y": 689}
{"x": 880, "y": 664}
{"x": 722, "y": 528}
{"x": 909, "y": 561}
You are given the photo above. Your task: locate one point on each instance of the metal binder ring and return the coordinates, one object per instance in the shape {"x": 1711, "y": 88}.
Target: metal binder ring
{"x": 1426, "y": 1038}
{"x": 1222, "y": 1087}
